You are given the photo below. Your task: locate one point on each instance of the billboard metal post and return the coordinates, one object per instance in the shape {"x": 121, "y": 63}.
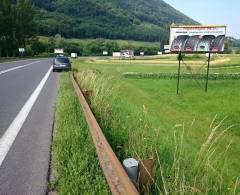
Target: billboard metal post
{"x": 179, "y": 70}
{"x": 21, "y": 51}
{"x": 196, "y": 39}
{"x": 208, "y": 67}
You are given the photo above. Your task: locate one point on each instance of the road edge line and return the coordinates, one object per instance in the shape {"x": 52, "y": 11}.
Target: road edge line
{"x": 17, "y": 67}
{"x": 8, "y": 138}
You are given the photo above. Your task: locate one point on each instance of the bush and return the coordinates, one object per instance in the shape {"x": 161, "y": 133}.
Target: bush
{"x": 73, "y": 48}
{"x": 96, "y": 47}
{"x": 216, "y": 76}
{"x": 38, "y": 47}
{"x": 238, "y": 51}
{"x": 228, "y": 51}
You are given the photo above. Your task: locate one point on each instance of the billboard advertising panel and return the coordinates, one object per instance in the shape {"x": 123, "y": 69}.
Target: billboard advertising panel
{"x": 105, "y": 53}
{"x": 58, "y": 51}
{"x": 197, "y": 38}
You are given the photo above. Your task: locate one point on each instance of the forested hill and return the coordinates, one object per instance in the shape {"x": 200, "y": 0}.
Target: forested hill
{"x": 145, "y": 20}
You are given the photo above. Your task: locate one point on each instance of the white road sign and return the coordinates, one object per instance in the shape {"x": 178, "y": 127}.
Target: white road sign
{"x": 21, "y": 50}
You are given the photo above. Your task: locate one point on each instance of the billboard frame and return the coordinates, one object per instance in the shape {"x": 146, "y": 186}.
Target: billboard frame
{"x": 196, "y": 26}
{"x": 180, "y": 52}
{"x": 180, "y": 59}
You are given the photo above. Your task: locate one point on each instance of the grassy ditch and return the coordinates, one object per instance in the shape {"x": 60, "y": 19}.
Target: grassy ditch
{"x": 193, "y": 144}
{"x": 74, "y": 158}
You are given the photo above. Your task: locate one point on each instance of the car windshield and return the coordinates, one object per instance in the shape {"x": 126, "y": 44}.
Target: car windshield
{"x": 62, "y": 60}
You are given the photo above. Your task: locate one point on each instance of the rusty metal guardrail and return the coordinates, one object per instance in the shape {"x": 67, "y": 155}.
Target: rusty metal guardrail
{"x": 117, "y": 178}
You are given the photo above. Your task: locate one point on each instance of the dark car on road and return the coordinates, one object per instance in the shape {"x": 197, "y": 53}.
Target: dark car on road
{"x": 61, "y": 63}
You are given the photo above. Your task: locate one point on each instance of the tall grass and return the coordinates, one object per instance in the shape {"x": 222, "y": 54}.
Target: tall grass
{"x": 74, "y": 157}
{"x": 179, "y": 168}
{"x": 199, "y": 172}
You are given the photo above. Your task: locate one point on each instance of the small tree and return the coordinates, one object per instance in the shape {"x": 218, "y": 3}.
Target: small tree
{"x": 26, "y": 28}
{"x": 238, "y": 51}
{"x": 1, "y": 24}
{"x": 7, "y": 23}
{"x": 16, "y": 23}
{"x": 59, "y": 41}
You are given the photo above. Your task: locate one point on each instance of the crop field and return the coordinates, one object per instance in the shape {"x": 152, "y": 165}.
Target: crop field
{"x": 193, "y": 138}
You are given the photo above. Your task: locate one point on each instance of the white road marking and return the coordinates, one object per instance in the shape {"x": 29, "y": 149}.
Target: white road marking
{"x": 15, "y": 68}
{"x": 15, "y": 61}
{"x": 11, "y": 133}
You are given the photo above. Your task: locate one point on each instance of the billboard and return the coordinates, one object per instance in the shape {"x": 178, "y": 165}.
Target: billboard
{"x": 58, "y": 51}
{"x": 166, "y": 47}
{"x": 73, "y": 55}
{"x": 21, "y": 50}
{"x": 197, "y": 38}
{"x": 105, "y": 53}
{"x": 116, "y": 54}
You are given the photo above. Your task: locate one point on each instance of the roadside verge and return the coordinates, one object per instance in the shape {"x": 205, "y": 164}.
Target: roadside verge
{"x": 74, "y": 158}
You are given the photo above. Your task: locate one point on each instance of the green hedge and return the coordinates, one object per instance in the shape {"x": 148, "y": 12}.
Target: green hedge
{"x": 212, "y": 76}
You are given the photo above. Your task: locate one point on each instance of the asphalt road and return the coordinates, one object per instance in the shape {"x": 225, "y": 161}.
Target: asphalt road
{"x": 28, "y": 92}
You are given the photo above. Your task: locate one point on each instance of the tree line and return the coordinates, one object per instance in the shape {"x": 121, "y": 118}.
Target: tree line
{"x": 84, "y": 47}
{"x": 21, "y": 21}
{"x": 17, "y": 25}
{"x": 19, "y": 29}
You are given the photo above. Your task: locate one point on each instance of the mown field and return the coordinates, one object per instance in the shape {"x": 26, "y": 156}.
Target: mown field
{"x": 194, "y": 138}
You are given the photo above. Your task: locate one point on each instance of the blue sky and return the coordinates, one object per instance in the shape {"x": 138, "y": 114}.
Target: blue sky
{"x": 225, "y": 12}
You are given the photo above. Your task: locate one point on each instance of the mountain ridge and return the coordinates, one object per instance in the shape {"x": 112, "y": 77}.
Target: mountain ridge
{"x": 141, "y": 20}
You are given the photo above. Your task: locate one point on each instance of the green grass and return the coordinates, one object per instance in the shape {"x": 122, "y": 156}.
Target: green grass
{"x": 156, "y": 64}
{"x": 74, "y": 157}
{"x": 187, "y": 135}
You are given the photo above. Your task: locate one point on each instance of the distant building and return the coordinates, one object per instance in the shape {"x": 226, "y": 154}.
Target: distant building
{"x": 58, "y": 51}
{"x": 73, "y": 55}
{"x": 105, "y": 53}
{"x": 127, "y": 53}
{"x": 124, "y": 53}
{"x": 116, "y": 54}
